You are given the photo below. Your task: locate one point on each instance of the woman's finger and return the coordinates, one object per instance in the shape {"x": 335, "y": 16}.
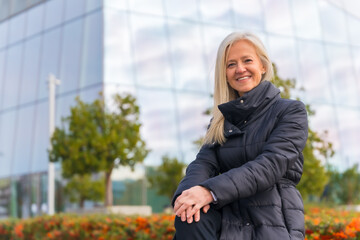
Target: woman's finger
{"x": 197, "y": 216}
{"x": 206, "y": 208}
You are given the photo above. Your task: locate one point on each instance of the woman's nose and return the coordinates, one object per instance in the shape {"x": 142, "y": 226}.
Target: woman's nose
{"x": 240, "y": 68}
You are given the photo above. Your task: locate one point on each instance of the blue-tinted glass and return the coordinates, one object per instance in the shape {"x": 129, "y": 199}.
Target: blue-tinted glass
{"x": 356, "y": 63}
{"x": 30, "y": 70}
{"x": 3, "y": 34}
{"x": 152, "y": 63}
{"x": 12, "y": 76}
{"x": 74, "y": 9}
{"x": 93, "y": 4}
{"x": 354, "y": 26}
{"x": 313, "y": 69}
{"x": 17, "y": 28}
{"x": 63, "y": 105}
{"x": 306, "y": 25}
{"x": 90, "y": 94}
{"x": 17, "y": 6}
{"x": 249, "y": 15}
{"x": 23, "y": 141}
{"x": 187, "y": 56}
{"x": 158, "y": 124}
{"x": 333, "y": 22}
{"x": 41, "y": 138}
{"x": 352, "y": 7}
{"x": 35, "y": 20}
{"x": 343, "y": 81}
{"x": 213, "y": 11}
{"x": 116, "y": 4}
{"x": 4, "y": 8}
{"x": 7, "y": 129}
{"x": 276, "y": 22}
{"x": 2, "y": 77}
{"x": 192, "y": 121}
{"x": 49, "y": 60}
{"x": 92, "y": 58}
{"x": 118, "y": 55}
{"x": 71, "y": 56}
{"x": 154, "y": 7}
{"x": 53, "y": 13}
{"x": 185, "y": 9}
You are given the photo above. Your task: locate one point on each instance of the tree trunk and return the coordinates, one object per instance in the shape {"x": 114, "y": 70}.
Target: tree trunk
{"x": 109, "y": 193}
{"x": 82, "y": 201}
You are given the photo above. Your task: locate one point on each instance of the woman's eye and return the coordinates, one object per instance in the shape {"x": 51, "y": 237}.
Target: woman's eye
{"x": 231, "y": 64}
{"x": 248, "y": 60}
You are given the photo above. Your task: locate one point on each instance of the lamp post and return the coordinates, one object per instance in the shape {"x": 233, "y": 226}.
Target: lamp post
{"x": 51, "y": 168}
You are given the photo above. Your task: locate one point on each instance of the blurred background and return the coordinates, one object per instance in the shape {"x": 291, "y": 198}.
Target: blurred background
{"x": 163, "y": 53}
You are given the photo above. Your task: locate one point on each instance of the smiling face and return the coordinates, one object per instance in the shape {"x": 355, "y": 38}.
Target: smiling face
{"x": 244, "y": 68}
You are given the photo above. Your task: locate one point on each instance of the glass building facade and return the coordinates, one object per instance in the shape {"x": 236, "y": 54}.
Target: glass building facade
{"x": 163, "y": 52}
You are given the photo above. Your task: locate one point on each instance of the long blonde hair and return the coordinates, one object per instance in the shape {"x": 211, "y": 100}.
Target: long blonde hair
{"x": 222, "y": 91}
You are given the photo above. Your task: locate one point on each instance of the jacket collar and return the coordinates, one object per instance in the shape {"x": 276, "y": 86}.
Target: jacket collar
{"x": 250, "y": 104}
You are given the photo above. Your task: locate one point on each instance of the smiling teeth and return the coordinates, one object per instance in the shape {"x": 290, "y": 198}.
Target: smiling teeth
{"x": 243, "y": 78}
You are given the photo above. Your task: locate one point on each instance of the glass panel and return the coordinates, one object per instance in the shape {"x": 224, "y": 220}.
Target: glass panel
{"x": 4, "y": 9}
{"x": 333, "y": 22}
{"x": 30, "y": 72}
{"x": 3, "y": 34}
{"x": 17, "y": 28}
{"x": 71, "y": 56}
{"x": 49, "y": 61}
{"x": 2, "y": 77}
{"x": 74, "y": 9}
{"x": 41, "y": 138}
{"x": 218, "y": 12}
{"x": 91, "y": 70}
{"x": 23, "y": 141}
{"x": 275, "y": 22}
{"x": 154, "y": 7}
{"x": 53, "y": 13}
{"x": 185, "y": 9}
{"x": 187, "y": 56}
{"x": 63, "y": 105}
{"x": 93, "y": 4}
{"x": 158, "y": 124}
{"x": 90, "y": 94}
{"x": 354, "y": 26}
{"x": 35, "y": 19}
{"x": 17, "y": 6}
{"x": 12, "y": 76}
{"x": 314, "y": 72}
{"x": 342, "y": 76}
{"x": 306, "y": 25}
{"x": 352, "y": 6}
{"x": 249, "y": 14}
{"x": 349, "y": 127}
{"x": 152, "y": 62}
{"x": 118, "y": 49}
{"x": 7, "y": 142}
{"x": 192, "y": 121}
{"x": 121, "y": 5}
{"x": 356, "y": 63}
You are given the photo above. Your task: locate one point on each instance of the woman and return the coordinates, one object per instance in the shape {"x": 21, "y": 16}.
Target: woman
{"x": 242, "y": 183}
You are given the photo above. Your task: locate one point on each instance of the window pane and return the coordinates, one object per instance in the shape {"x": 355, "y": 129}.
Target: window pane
{"x": 187, "y": 56}
{"x": 4, "y": 8}
{"x": 91, "y": 70}
{"x": 93, "y": 4}
{"x": 71, "y": 56}
{"x": 306, "y": 25}
{"x": 118, "y": 55}
{"x": 158, "y": 124}
{"x": 249, "y": 14}
{"x": 17, "y": 28}
{"x": 41, "y": 138}
{"x": 185, "y": 9}
{"x": 354, "y": 26}
{"x": 30, "y": 72}
{"x": 74, "y": 9}
{"x": 152, "y": 62}
{"x": 314, "y": 72}
{"x": 333, "y": 22}
{"x": 116, "y": 4}
{"x": 17, "y": 6}
{"x": 7, "y": 142}
{"x": 63, "y": 105}
{"x": 23, "y": 141}
{"x": 2, "y": 77}
{"x": 276, "y": 22}
{"x": 53, "y": 13}
{"x": 49, "y": 61}
{"x": 154, "y": 7}
{"x": 12, "y": 76}
{"x": 35, "y": 19}
{"x": 3, "y": 34}
{"x": 214, "y": 11}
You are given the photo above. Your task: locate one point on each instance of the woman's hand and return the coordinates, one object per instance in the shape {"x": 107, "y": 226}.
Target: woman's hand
{"x": 187, "y": 206}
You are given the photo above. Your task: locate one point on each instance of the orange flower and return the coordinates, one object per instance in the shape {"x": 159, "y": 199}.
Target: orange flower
{"x": 19, "y": 230}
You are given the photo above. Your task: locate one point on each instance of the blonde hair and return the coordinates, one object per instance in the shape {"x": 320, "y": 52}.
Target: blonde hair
{"x": 222, "y": 91}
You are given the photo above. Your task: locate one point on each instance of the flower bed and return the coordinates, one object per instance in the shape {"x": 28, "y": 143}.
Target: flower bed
{"x": 321, "y": 223}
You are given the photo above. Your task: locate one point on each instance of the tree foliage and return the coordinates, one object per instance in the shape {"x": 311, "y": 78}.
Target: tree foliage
{"x": 94, "y": 139}
{"x": 167, "y": 177}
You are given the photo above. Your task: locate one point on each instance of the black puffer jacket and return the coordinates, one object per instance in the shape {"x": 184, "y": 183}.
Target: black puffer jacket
{"x": 254, "y": 173}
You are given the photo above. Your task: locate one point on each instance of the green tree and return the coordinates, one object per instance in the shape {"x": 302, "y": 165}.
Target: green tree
{"x": 94, "y": 139}
{"x": 167, "y": 177}
{"x": 81, "y": 187}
